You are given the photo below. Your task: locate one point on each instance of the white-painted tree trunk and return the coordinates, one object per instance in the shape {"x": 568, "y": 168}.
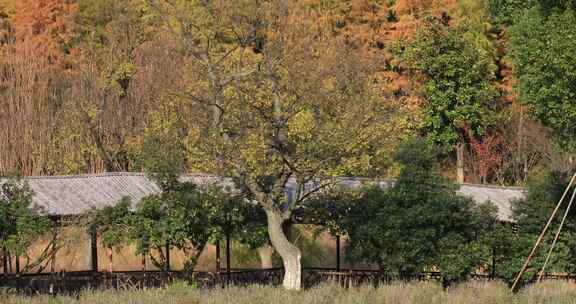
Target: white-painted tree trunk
{"x": 289, "y": 252}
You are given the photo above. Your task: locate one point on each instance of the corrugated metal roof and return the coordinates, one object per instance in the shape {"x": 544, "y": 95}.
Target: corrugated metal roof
{"x": 500, "y": 196}
{"x": 68, "y": 195}
{"x": 65, "y": 195}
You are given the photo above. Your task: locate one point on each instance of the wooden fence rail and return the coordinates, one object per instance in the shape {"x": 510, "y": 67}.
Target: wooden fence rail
{"x": 74, "y": 282}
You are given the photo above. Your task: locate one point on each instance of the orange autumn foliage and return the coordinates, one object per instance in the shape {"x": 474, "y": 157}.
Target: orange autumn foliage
{"x": 44, "y": 26}
{"x": 50, "y": 43}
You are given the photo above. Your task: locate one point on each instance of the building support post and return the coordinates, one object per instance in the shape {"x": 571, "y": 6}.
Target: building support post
{"x": 143, "y": 262}
{"x": 337, "y": 252}
{"x": 93, "y": 248}
{"x": 228, "y": 270}
{"x": 493, "y": 273}
{"x": 167, "y": 255}
{"x": 54, "y": 246}
{"x": 5, "y": 260}
{"x": 218, "y": 256}
{"x": 17, "y": 263}
{"x": 145, "y": 282}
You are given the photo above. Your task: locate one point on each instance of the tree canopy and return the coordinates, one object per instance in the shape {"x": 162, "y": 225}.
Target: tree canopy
{"x": 544, "y": 54}
{"x": 458, "y": 88}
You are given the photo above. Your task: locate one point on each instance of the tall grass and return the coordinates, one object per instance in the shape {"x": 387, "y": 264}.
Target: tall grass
{"x": 412, "y": 293}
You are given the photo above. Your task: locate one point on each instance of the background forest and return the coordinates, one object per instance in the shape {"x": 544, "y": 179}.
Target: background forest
{"x": 88, "y": 86}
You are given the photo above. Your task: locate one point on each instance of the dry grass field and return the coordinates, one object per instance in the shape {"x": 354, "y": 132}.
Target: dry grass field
{"x": 413, "y": 293}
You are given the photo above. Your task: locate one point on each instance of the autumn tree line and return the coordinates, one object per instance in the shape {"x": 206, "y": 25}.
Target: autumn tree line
{"x": 86, "y": 83}
{"x": 270, "y": 91}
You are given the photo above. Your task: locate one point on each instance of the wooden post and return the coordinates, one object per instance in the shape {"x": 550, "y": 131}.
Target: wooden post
{"x": 218, "y": 256}
{"x": 56, "y": 222}
{"x": 228, "y": 254}
{"x": 167, "y": 255}
{"x": 5, "y": 260}
{"x": 94, "y": 249}
{"x": 493, "y": 274}
{"x": 17, "y": 273}
{"x": 143, "y": 262}
{"x": 337, "y": 252}
{"x": 145, "y": 282}
{"x": 54, "y": 246}
{"x": 17, "y": 264}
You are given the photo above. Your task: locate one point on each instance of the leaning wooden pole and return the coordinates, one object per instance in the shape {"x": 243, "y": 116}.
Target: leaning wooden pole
{"x": 557, "y": 236}
{"x": 539, "y": 240}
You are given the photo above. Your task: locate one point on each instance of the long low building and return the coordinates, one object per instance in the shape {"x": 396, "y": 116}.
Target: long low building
{"x": 70, "y": 195}
{"x": 73, "y": 195}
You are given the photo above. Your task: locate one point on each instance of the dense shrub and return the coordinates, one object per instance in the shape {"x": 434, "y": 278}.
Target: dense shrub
{"x": 421, "y": 223}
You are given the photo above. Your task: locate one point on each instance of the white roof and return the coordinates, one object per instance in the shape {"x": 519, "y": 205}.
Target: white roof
{"x": 68, "y": 195}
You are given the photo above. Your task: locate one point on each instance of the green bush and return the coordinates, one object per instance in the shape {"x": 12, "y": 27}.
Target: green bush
{"x": 421, "y": 223}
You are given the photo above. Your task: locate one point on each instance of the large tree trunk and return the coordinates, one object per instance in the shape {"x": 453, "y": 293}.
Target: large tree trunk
{"x": 289, "y": 252}
{"x": 266, "y": 251}
{"x": 460, "y": 162}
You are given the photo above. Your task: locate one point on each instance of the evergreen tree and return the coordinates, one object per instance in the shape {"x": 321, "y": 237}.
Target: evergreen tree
{"x": 458, "y": 90}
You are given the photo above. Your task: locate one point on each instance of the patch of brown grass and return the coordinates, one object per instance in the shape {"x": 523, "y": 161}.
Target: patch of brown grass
{"x": 412, "y": 293}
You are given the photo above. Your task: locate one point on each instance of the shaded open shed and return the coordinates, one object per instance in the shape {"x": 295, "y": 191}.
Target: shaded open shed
{"x": 73, "y": 195}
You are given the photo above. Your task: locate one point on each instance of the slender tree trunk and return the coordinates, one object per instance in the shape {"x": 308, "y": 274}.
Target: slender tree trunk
{"x": 523, "y": 159}
{"x": 460, "y": 162}
{"x": 266, "y": 251}
{"x": 289, "y": 252}
{"x": 110, "y": 260}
